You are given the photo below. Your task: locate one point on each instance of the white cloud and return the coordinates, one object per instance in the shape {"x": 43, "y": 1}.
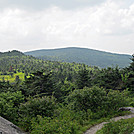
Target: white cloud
{"x": 107, "y": 26}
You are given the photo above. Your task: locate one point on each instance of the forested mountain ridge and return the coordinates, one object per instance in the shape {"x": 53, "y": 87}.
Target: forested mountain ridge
{"x": 82, "y": 55}
{"x": 11, "y": 53}
{"x": 14, "y": 62}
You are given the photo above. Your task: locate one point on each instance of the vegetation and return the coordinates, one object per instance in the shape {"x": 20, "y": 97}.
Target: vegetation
{"x": 13, "y": 77}
{"x": 119, "y": 127}
{"x": 82, "y": 55}
{"x": 44, "y": 97}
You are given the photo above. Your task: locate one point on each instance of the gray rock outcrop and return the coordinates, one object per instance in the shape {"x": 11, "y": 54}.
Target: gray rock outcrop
{"x": 6, "y": 127}
{"x": 131, "y": 109}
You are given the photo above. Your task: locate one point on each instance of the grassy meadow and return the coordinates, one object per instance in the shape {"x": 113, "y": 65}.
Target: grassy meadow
{"x": 12, "y": 78}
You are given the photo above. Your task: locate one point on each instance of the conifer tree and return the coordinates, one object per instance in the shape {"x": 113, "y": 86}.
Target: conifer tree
{"x": 39, "y": 83}
{"x": 130, "y": 82}
{"x": 132, "y": 64}
{"x": 83, "y": 78}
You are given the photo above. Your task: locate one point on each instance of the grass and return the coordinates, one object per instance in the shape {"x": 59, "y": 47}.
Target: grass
{"x": 98, "y": 121}
{"x": 123, "y": 126}
{"x": 12, "y": 78}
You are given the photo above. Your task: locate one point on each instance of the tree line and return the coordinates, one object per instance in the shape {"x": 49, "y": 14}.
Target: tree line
{"x": 64, "y": 98}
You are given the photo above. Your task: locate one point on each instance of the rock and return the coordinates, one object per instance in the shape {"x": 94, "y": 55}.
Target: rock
{"x": 6, "y": 127}
{"x": 131, "y": 109}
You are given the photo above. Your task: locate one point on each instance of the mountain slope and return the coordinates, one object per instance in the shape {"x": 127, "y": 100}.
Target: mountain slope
{"x": 11, "y": 53}
{"x": 82, "y": 55}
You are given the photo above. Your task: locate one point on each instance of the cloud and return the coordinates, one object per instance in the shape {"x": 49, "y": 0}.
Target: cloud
{"x": 107, "y": 26}
{"x": 42, "y": 4}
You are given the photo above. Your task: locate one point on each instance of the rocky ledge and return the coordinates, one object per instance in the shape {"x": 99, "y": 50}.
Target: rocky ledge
{"x": 131, "y": 109}
{"x": 6, "y": 127}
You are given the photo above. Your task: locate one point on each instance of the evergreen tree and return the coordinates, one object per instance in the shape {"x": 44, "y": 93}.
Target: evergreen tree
{"x": 130, "y": 82}
{"x": 39, "y": 83}
{"x": 108, "y": 78}
{"x": 132, "y": 63}
{"x": 83, "y": 78}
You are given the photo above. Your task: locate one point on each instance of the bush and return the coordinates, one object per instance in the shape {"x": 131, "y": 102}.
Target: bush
{"x": 64, "y": 123}
{"x": 9, "y": 105}
{"x": 115, "y": 100}
{"x": 97, "y": 100}
{"x": 87, "y": 98}
{"x": 44, "y": 106}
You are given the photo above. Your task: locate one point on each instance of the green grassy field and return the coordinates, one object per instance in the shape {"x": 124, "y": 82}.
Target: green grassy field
{"x": 12, "y": 78}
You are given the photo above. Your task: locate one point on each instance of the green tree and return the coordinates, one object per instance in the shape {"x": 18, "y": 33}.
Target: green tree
{"x": 4, "y": 86}
{"x": 132, "y": 63}
{"x": 17, "y": 79}
{"x": 108, "y": 78}
{"x": 130, "y": 82}
{"x": 83, "y": 78}
{"x": 39, "y": 83}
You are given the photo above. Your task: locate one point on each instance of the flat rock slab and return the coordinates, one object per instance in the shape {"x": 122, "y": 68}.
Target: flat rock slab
{"x": 6, "y": 127}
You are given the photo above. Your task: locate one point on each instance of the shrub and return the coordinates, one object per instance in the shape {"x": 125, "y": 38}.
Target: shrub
{"x": 98, "y": 100}
{"x": 9, "y": 105}
{"x": 64, "y": 123}
{"x": 115, "y": 100}
{"x": 87, "y": 98}
{"x": 44, "y": 106}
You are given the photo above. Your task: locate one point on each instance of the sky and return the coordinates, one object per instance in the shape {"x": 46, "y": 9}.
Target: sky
{"x": 106, "y": 25}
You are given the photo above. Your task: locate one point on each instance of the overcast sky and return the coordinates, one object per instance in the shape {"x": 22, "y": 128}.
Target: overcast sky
{"x": 106, "y": 25}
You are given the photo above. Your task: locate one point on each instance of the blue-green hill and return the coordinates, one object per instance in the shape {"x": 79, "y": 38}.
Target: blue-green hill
{"x": 82, "y": 55}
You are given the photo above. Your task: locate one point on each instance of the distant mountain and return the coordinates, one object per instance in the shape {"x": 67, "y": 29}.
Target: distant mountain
{"x": 82, "y": 55}
{"x": 11, "y": 53}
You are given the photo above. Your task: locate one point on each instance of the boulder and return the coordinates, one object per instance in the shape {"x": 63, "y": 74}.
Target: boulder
{"x": 131, "y": 109}
{"x": 6, "y": 127}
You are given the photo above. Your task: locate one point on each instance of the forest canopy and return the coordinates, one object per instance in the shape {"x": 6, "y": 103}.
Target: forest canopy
{"x": 48, "y": 97}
